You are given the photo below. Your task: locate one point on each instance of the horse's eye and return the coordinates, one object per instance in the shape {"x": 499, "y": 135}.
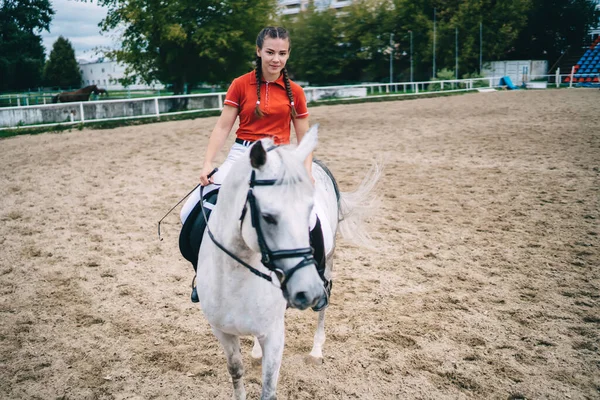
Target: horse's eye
{"x": 269, "y": 219}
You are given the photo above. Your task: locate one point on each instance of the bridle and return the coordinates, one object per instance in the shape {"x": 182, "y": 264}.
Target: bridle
{"x": 269, "y": 257}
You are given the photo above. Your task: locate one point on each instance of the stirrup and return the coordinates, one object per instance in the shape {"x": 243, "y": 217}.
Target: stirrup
{"x": 194, "y": 296}
{"x": 324, "y": 301}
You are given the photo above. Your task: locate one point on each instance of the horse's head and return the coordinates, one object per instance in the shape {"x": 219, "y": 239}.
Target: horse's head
{"x": 96, "y": 90}
{"x": 276, "y": 223}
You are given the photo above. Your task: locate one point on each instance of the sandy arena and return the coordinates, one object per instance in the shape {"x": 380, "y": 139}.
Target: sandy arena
{"x": 485, "y": 283}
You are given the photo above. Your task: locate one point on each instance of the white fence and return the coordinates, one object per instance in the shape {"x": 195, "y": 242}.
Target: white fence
{"x": 152, "y": 107}
{"x": 27, "y": 99}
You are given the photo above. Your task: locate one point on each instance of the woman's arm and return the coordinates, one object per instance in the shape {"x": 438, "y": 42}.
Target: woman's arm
{"x": 301, "y": 127}
{"x": 217, "y": 140}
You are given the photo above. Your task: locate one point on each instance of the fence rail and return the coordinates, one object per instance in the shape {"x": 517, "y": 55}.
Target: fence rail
{"x": 45, "y": 115}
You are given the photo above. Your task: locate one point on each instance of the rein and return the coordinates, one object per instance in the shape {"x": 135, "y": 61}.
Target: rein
{"x": 185, "y": 197}
{"x": 268, "y": 257}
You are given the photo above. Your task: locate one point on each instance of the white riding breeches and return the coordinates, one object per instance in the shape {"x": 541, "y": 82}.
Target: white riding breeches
{"x": 236, "y": 151}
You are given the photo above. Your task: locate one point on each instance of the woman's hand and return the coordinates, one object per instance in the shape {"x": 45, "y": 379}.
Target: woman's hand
{"x": 207, "y": 170}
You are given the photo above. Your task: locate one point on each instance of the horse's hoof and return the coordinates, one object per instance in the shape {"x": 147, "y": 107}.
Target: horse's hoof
{"x": 313, "y": 360}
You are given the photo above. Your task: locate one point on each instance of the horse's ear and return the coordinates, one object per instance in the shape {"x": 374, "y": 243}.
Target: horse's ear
{"x": 258, "y": 155}
{"x": 309, "y": 142}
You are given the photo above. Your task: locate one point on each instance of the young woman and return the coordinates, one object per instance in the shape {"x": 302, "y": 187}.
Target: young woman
{"x": 267, "y": 102}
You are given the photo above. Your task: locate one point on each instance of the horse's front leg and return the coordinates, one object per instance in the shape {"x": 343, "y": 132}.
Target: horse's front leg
{"x": 231, "y": 346}
{"x": 272, "y": 348}
{"x": 316, "y": 354}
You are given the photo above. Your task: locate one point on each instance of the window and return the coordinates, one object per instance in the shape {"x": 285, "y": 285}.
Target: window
{"x": 91, "y": 71}
{"x": 102, "y": 70}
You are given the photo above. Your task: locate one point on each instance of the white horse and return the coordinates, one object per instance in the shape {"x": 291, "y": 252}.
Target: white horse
{"x": 256, "y": 257}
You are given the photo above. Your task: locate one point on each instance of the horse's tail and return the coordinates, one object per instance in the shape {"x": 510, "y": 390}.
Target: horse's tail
{"x": 355, "y": 207}
{"x": 55, "y": 99}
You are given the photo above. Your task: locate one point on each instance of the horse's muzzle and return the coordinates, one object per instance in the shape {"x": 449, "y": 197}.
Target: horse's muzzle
{"x": 301, "y": 300}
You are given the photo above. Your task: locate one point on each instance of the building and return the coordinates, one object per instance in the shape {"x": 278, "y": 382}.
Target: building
{"x": 105, "y": 74}
{"x": 290, "y": 7}
{"x": 595, "y": 32}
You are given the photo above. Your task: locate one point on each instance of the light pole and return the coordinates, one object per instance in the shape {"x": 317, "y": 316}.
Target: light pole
{"x": 391, "y": 57}
{"x": 480, "y": 46}
{"x": 434, "y": 73}
{"x": 456, "y": 54}
{"x": 411, "y": 58}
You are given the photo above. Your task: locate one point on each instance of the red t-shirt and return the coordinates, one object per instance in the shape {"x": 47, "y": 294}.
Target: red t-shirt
{"x": 274, "y": 103}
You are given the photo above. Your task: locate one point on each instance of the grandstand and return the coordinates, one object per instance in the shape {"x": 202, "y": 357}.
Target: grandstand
{"x": 587, "y": 69}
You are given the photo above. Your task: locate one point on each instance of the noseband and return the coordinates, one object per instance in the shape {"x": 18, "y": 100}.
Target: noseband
{"x": 268, "y": 256}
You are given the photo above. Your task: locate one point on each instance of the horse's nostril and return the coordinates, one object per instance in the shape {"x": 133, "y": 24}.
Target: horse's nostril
{"x": 301, "y": 298}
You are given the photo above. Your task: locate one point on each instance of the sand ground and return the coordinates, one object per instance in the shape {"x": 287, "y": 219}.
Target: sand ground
{"x": 484, "y": 284}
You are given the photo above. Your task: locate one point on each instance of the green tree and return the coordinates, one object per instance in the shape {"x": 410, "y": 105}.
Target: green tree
{"x": 185, "y": 42}
{"x": 355, "y": 45}
{"x": 21, "y": 51}
{"x": 62, "y": 69}
{"x": 554, "y": 26}
{"x": 500, "y": 24}
{"x": 317, "y": 46}
{"x": 416, "y": 17}
{"x": 501, "y": 21}
{"x": 366, "y": 33}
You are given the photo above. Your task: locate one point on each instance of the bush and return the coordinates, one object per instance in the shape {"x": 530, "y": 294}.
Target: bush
{"x": 475, "y": 75}
{"x": 443, "y": 75}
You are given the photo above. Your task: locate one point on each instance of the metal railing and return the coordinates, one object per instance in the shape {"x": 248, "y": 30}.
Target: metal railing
{"x": 107, "y": 110}
{"x": 154, "y": 107}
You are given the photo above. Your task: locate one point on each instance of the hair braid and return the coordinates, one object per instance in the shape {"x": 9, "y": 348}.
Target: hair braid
{"x": 288, "y": 89}
{"x": 258, "y": 71}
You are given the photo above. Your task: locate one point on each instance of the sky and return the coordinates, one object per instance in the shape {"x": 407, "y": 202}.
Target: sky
{"x": 77, "y": 22}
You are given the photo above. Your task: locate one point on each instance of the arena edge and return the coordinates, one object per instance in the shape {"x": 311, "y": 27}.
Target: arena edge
{"x": 113, "y": 113}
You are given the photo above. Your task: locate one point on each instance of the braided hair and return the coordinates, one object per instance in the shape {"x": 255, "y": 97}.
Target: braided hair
{"x": 273, "y": 33}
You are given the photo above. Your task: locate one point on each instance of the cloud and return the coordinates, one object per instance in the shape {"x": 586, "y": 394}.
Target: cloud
{"x": 77, "y": 22}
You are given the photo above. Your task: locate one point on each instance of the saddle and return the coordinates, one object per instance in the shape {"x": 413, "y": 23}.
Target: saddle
{"x": 193, "y": 228}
